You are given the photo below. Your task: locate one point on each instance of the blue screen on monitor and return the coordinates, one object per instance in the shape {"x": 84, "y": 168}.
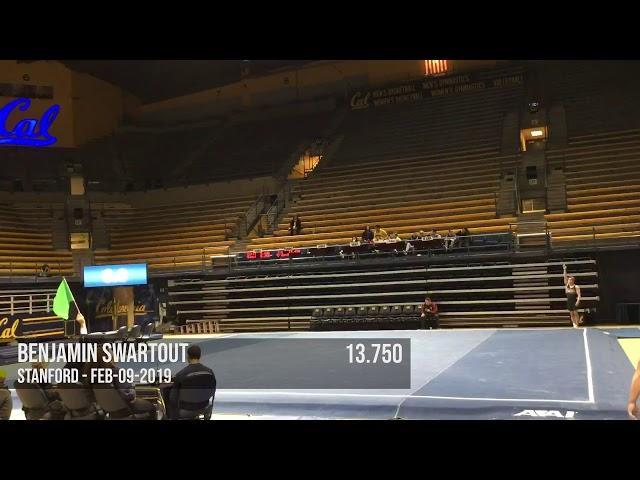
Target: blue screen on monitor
{"x": 115, "y": 275}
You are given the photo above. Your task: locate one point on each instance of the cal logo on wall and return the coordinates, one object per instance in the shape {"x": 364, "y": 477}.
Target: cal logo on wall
{"x": 8, "y": 329}
{"x": 30, "y": 130}
{"x": 41, "y": 326}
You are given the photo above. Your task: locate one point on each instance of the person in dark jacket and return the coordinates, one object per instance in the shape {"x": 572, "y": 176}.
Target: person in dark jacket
{"x": 295, "y": 226}
{"x": 367, "y": 234}
{"x": 194, "y": 375}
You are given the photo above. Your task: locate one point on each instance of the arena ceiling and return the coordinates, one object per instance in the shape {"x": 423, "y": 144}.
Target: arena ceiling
{"x": 154, "y": 80}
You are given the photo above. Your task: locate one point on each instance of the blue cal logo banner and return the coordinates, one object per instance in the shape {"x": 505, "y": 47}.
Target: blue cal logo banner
{"x": 28, "y": 132}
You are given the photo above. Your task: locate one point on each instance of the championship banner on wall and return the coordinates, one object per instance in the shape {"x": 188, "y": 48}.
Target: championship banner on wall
{"x": 31, "y": 326}
{"x": 431, "y": 87}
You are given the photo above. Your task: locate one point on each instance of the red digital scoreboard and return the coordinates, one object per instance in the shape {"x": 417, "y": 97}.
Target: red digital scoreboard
{"x": 274, "y": 254}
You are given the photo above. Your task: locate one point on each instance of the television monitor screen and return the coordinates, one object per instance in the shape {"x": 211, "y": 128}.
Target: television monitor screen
{"x": 115, "y": 275}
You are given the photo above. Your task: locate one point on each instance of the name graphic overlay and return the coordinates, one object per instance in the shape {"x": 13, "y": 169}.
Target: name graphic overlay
{"x": 95, "y": 363}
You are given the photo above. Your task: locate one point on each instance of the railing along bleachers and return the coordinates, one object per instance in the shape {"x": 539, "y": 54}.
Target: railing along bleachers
{"x": 26, "y": 242}
{"x": 468, "y": 295}
{"x": 177, "y": 236}
{"x": 603, "y": 188}
{"x": 26, "y": 300}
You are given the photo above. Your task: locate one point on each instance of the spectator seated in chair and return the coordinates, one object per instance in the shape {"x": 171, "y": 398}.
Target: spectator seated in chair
{"x": 465, "y": 241}
{"x": 193, "y": 389}
{"x": 450, "y": 239}
{"x": 429, "y": 314}
{"x": 380, "y": 235}
{"x": 367, "y": 234}
{"x": 417, "y": 235}
{"x": 394, "y": 237}
{"x": 295, "y": 226}
{"x": 409, "y": 249}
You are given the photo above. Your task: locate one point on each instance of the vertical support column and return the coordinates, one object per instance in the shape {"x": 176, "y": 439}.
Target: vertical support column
{"x": 124, "y": 296}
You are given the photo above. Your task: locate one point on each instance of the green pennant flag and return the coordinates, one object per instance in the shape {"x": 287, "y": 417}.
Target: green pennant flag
{"x": 62, "y": 299}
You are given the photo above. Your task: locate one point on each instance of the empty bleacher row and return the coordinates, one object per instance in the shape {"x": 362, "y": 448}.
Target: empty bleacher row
{"x": 26, "y": 241}
{"x": 177, "y": 236}
{"x": 220, "y": 151}
{"x": 491, "y": 294}
{"x": 437, "y": 191}
{"x": 256, "y": 148}
{"x": 602, "y": 174}
{"x": 597, "y": 96}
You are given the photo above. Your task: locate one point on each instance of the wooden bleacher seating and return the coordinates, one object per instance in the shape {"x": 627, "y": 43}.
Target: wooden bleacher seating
{"x": 432, "y": 163}
{"x": 496, "y": 294}
{"x": 603, "y": 185}
{"x": 405, "y": 196}
{"x": 180, "y": 236}
{"x": 26, "y": 244}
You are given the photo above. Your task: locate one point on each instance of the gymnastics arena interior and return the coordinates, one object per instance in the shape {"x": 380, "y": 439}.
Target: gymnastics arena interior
{"x": 247, "y": 203}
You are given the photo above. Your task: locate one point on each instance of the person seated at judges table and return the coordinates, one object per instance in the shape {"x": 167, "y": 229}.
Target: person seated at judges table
{"x": 450, "y": 239}
{"x": 6, "y": 403}
{"x": 464, "y": 239}
{"x": 409, "y": 247}
{"x": 354, "y": 242}
{"x": 126, "y": 390}
{"x": 367, "y": 234}
{"x": 434, "y": 234}
{"x": 417, "y": 235}
{"x": 379, "y": 234}
{"x": 295, "y": 226}
{"x": 429, "y": 314}
{"x": 394, "y": 237}
{"x": 194, "y": 370}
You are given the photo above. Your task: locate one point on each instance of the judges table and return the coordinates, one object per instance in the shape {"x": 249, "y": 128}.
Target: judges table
{"x": 437, "y": 245}
{"x": 378, "y": 247}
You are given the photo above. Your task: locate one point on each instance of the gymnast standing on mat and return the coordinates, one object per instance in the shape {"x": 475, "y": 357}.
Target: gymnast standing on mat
{"x": 573, "y": 297}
